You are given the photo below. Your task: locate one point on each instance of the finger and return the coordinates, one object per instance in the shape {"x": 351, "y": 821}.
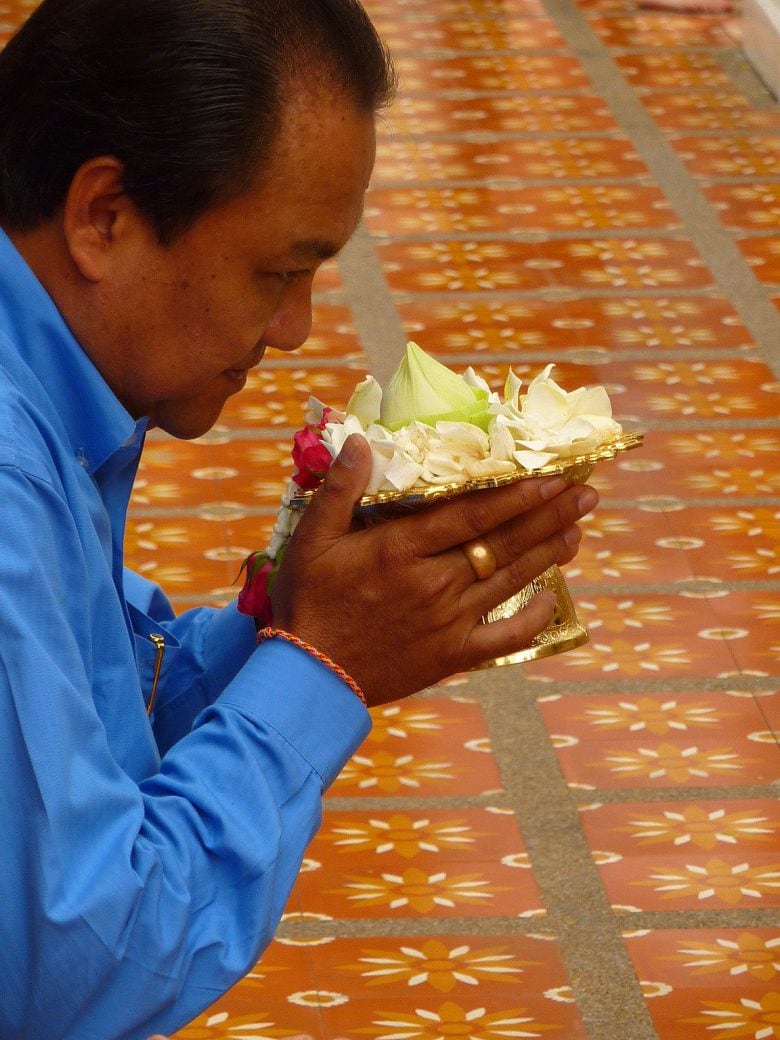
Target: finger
{"x": 328, "y": 515}
{"x": 513, "y": 540}
{"x": 482, "y": 596}
{"x": 507, "y": 636}
{"x": 474, "y": 513}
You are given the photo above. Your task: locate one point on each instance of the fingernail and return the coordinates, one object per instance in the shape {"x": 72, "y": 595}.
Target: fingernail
{"x": 572, "y": 536}
{"x": 552, "y": 486}
{"x": 350, "y": 451}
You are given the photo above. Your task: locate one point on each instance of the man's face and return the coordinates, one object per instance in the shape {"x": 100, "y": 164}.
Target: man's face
{"x": 184, "y": 323}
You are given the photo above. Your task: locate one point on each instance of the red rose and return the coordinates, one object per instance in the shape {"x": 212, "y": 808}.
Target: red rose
{"x": 311, "y": 458}
{"x": 254, "y": 598}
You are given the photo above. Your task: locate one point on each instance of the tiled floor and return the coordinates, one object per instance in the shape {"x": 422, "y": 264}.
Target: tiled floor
{"x": 589, "y": 846}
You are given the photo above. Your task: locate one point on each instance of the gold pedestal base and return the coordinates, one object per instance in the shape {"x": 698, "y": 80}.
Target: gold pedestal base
{"x": 564, "y": 631}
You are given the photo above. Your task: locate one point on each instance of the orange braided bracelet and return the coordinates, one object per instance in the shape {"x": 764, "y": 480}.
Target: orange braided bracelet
{"x": 279, "y": 633}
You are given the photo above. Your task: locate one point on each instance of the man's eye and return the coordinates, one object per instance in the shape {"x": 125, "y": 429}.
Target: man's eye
{"x": 285, "y": 277}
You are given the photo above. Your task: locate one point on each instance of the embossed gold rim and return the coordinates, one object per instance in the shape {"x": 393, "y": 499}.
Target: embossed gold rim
{"x": 430, "y": 492}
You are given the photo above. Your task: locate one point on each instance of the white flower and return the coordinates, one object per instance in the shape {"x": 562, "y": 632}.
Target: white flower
{"x": 431, "y": 426}
{"x": 561, "y": 424}
{"x": 365, "y": 402}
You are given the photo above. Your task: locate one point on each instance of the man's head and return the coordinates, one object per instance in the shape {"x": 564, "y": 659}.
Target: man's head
{"x": 176, "y": 181}
{"x": 187, "y": 94}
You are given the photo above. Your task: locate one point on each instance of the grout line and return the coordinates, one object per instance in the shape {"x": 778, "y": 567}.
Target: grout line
{"x": 375, "y": 315}
{"x": 581, "y": 799}
{"x": 533, "y": 925}
{"x": 598, "y": 966}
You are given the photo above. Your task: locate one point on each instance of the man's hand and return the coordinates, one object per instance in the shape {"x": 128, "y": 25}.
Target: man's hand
{"x": 398, "y": 604}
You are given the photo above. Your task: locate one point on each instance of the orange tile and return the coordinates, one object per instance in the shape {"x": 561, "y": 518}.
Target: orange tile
{"x": 707, "y": 978}
{"x": 600, "y": 264}
{"x": 556, "y": 113}
{"x": 661, "y": 70}
{"x": 590, "y": 719}
{"x": 691, "y": 464}
{"x": 666, "y": 388}
{"x": 591, "y": 325}
{"x": 673, "y": 855}
{"x": 384, "y": 772}
{"x": 429, "y": 747}
{"x": 730, "y": 155}
{"x": 754, "y": 206}
{"x": 412, "y": 984}
{"x": 423, "y": 73}
{"x": 769, "y": 705}
{"x": 715, "y": 110}
{"x": 191, "y": 473}
{"x": 452, "y": 863}
{"x": 750, "y": 621}
{"x": 661, "y": 30}
{"x": 333, "y": 335}
{"x": 763, "y": 255}
{"x": 188, "y": 556}
{"x": 703, "y": 389}
{"x": 452, "y": 8}
{"x": 741, "y": 826}
{"x": 433, "y": 160}
{"x": 688, "y": 543}
{"x": 425, "y": 210}
{"x": 348, "y": 986}
{"x": 276, "y": 396}
{"x": 692, "y": 756}
{"x": 642, "y": 636}
{"x": 466, "y": 33}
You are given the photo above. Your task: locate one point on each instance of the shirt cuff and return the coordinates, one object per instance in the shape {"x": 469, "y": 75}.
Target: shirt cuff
{"x": 305, "y": 702}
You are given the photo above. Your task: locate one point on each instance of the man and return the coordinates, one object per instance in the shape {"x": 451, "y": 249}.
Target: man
{"x": 172, "y": 174}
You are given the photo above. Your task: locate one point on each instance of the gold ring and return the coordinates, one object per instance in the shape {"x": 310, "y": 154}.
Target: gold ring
{"x": 481, "y": 557}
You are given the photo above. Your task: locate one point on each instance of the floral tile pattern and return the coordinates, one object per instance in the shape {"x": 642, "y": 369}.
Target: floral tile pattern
{"x": 661, "y": 741}
{"x": 407, "y": 984}
{"x": 725, "y": 979}
{"x": 500, "y": 846}
{"x": 396, "y": 866}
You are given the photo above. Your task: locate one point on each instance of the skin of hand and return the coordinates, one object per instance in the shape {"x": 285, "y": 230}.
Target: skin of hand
{"x": 397, "y": 604}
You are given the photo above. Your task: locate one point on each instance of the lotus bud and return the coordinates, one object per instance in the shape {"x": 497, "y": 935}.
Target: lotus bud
{"x": 424, "y": 389}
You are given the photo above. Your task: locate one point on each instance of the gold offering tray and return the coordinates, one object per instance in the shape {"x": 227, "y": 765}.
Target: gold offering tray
{"x": 575, "y": 466}
{"x": 565, "y": 631}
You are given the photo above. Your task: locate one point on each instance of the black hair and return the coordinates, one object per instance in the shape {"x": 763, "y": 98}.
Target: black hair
{"x": 187, "y": 94}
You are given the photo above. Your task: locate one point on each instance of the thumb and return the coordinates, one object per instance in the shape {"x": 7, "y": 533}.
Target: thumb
{"x": 330, "y": 511}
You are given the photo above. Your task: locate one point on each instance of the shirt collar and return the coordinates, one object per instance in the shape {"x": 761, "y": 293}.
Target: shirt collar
{"x": 38, "y": 347}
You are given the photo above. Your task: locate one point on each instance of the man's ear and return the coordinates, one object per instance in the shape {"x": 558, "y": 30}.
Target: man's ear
{"x": 95, "y": 211}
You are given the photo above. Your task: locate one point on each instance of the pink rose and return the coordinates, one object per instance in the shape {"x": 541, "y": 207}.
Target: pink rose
{"x": 311, "y": 458}
{"x": 254, "y": 599}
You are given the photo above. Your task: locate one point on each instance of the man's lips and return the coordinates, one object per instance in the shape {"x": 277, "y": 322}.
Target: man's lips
{"x": 239, "y": 375}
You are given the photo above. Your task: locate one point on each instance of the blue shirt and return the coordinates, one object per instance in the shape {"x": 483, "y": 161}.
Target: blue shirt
{"x": 144, "y": 864}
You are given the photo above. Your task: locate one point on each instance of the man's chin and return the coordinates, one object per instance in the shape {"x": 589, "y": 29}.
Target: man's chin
{"x": 185, "y": 420}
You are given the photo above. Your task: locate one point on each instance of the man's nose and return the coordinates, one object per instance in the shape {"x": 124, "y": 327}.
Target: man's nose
{"x": 290, "y": 324}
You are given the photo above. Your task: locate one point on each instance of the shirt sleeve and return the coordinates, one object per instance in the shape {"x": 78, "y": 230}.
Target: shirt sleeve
{"x": 148, "y": 895}
{"x": 212, "y": 644}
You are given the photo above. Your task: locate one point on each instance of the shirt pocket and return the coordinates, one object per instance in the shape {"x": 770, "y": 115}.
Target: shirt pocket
{"x": 155, "y": 652}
